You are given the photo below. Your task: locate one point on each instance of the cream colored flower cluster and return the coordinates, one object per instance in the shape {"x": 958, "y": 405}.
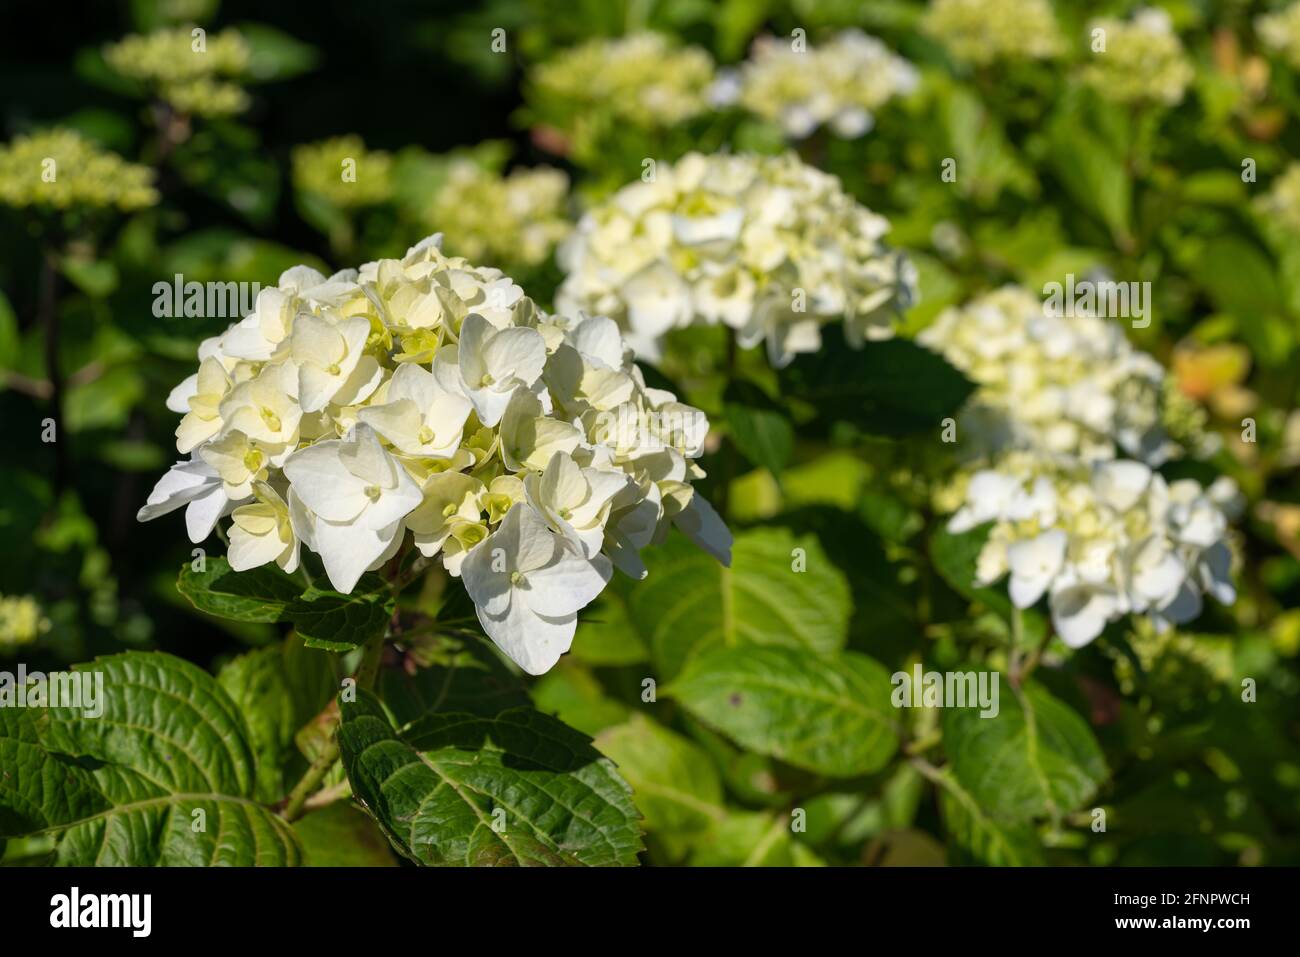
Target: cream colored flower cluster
{"x": 643, "y": 80}
{"x": 1070, "y": 386}
{"x": 428, "y": 396}
{"x": 1281, "y": 204}
{"x": 343, "y": 171}
{"x": 192, "y": 71}
{"x": 1280, "y": 33}
{"x": 839, "y": 84}
{"x": 487, "y": 217}
{"x": 766, "y": 245}
{"x": 1143, "y": 60}
{"x": 1101, "y": 541}
{"x": 984, "y": 31}
{"x": 21, "y": 621}
{"x": 58, "y": 168}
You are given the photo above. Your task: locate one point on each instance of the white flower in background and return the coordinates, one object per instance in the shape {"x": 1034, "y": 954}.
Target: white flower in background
{"x": 528, "y": 585}
{"x": 1071, "y": 386}
{"x": 983, "y": 31}
{"x": 1100, "y": 541}
{"x": 840, "y": 84}
{"x": 430, "y": 396}
{"x": 766, "y": 245}
{"x": 598, "y": 90}
{"x": 1143, "y": 60}
{"x": 1280, "y": 32}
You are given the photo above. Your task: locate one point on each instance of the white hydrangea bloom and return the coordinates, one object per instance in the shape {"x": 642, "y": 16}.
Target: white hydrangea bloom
{"x": 839, "y": 84}
{"x": 981, "y": 32}
{"x": 1101, "y": 541}
{"x": 521, "y": 450}
{"x": 1064, "y": 385}
{"x": 1279, "y": 32}
{"x": 1143, "y": 60}
{"x": 766, "y": 245}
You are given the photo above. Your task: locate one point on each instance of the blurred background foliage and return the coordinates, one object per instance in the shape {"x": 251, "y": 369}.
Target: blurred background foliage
{"x": 451, "y": 135}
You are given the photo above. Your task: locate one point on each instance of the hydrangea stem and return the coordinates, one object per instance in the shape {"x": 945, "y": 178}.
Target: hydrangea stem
{"x": 371, "y": 655}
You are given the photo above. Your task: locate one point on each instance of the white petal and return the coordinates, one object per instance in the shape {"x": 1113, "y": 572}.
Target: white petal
{"x": 702, "y": 525}
{"x": 566, "y": 586}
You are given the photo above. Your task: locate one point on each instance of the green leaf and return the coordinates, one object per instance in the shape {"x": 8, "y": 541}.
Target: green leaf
{"x": 570, "y": 692}
{"x": 473, "y": 681}
{"x": 890, "y": 388}
{"x": 275, "y": 55}
{"x": 976, "y": 838}
{"x": 754, "y": 839}
{"x": 258, "y": 595}
{"x": 759, "y": 426}
{"x": 278, "y": 689}
{"x": 689, "y": 602}
{"x": 674, "y": 782}
{"x": 336, "y": 622}
{"x": 123, "y": 787}
{"x": 1036, "y": 758}
{"x": 517, "y": 789}
{"x": 341, "y": 835}
{"x": 828, "y": 714}
{"x": 605, "y": 634}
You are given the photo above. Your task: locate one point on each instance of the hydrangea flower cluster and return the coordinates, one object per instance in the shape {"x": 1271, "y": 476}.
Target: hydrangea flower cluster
{"x": 21, "y": 621}
{"x": 1070, "y": 386}
{"x": 319, "y": 168}
{"x": 1101, "y": 541}
{"x": 1280, "y": 33}
{"x": 766, "y": 245}
{"x": 981, "y": 32}
{"x": 192, "y": 73}
{"x": 428, "y": 396}
{"x": 839, "y": 84}
{"x": 643, "y": 80}
{"x": 1281, "y": 204}
{"x": 1143, "y": 62}
{"x": 58, "y": 168}
{"x": 486, "y": 217}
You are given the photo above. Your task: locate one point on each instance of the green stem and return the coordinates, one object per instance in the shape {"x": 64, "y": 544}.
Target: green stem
{"x": 293, "y": 805}
{"x": 367, "y": 670}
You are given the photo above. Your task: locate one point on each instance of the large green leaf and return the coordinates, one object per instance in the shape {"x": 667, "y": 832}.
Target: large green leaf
{"x": 976, "y": 838}
{"x": 674, "y": 782}
{"x": 342, "y": 835}
{"x": 278, "y": 689}
{"x": 125, "y": 787}
{"x": 890, "y": 388}
{"x": 758, "y": 425}
{"x": 689, "y": 602}
{"x": 519, "y": 788}
{"x": 829, "y": 714}
{"x": 337, "y": 622}
{"x": 472, "y": 680}
{"x": 259, "y": 595}
{"x": 1036, "y": 758}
